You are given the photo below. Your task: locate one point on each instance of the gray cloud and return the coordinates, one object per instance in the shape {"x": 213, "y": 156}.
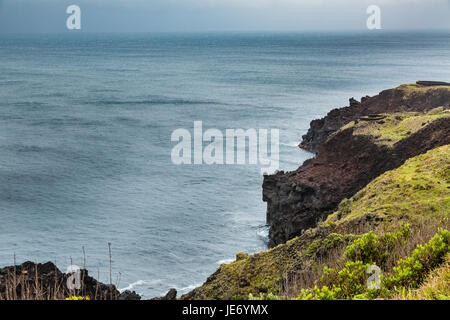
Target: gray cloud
{"x": 220, "y": 15}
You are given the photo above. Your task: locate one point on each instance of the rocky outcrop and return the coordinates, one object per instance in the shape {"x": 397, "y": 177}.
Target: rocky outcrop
{"x": 129, "y": 295}
{"x": 170, "y": 295}
{"x": 346, "y": 162}
{"x": 422, "y": 96}
{"x": 31, "y": 281}
{"x": 433, "y": 83}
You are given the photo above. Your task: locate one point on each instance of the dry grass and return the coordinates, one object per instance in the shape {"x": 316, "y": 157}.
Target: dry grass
{"x": 38, "y": 282}
{"x": 24, "y": 287}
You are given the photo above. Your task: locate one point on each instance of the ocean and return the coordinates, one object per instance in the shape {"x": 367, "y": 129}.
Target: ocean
{"x": 85, "y": 139}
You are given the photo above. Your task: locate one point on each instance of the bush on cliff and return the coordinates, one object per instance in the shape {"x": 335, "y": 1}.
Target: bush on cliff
{"x": 412, "y": 270}
{"x": 351, "y": 281}
{"x": 375, "y": 249}
{"x": 435, "y": 287}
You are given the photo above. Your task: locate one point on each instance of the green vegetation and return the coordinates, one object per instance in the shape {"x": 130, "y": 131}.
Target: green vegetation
{"x": 250, "y": 274}
{"x": 261, "y": 296}
{"x": 388, "y": 129}
{"x": 77, "y": 298}
{"x": 333, "y": 240}
{"x": 350, "y": 282}
{"x": 393, "y": 223}
{"x": 417, "y": 189}
{"x": 374, "y": 249}
{"x": 412, "y": 270}
{"x": 435, "y": 287}
{"x": 319, "y": 294}
{"x": 414, "y": 88}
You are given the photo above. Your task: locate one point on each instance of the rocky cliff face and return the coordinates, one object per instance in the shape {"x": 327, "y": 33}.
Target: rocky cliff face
{"x": 347, "y": 161}
{"x": 423, "y": 96}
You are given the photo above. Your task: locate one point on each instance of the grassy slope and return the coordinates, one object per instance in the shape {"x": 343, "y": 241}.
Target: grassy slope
{"x": 418, "y": 193}
{"x": 413, "y": 88}
{"x": 420, "y": 187}
{"x": 395, "y": 127}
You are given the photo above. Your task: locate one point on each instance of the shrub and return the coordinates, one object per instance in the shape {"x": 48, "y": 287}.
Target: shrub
{"x": 374, "y": 249}
{"x": 77, "y": 298}
{"x": 347, "y": 282}
{"x": 351, "y": 281}
{"x": 323, "y": 293}
{"x": 269, "y": 296}
{"x": 412, "y": 270}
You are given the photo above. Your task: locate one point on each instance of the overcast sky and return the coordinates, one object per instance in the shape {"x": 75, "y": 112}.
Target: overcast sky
{"x": 25, "y": 16}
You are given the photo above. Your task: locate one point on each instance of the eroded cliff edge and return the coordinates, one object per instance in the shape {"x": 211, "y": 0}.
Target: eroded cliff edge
{"x": 374, "y": 138}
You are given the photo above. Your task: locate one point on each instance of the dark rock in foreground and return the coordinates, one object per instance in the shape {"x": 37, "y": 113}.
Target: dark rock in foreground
{"x": 171, "y": 295}
{"x": 31, "y": 281}
{"x": 129, "y": 295}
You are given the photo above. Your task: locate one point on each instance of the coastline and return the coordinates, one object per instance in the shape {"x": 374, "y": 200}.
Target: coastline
{"x": 340, "y": 140}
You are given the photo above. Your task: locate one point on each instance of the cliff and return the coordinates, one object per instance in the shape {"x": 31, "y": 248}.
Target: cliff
{"x": 346, "y": 162}
{"x": 422, "y": 96}
{"x": 394, "y": 222}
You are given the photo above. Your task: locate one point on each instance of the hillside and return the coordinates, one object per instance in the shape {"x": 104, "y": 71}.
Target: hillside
{"x": 383, "y": 224}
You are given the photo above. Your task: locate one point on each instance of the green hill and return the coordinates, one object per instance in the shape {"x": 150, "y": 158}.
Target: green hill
{"x": 398, "y": 222}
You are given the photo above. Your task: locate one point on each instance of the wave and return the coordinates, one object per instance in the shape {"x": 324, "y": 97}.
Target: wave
{"x": 188, "y": 288}
{"x": 11, "y": 82}
{"x": 29, "y": 104}
{"x": 225, "y": 261}
{"x": 137, "y": 283}
{"x": 156, "y": 101}
{"x": 150, "y": 282}
{"x": 263, "y": 233}
{"x": 290, "y": 144}
{"x": 80, "y": 122}
{"x": 132, "y": 285}
{"x": 22, "y": 148}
